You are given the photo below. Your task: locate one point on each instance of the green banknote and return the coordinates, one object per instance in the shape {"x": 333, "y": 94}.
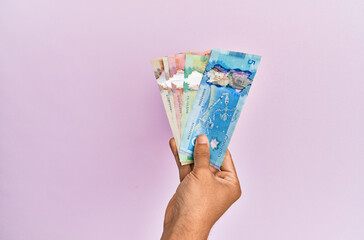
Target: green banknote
{"x": 195, "y": 65}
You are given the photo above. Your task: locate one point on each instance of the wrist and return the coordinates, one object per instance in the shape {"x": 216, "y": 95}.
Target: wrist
{"x": 184, "y": 227}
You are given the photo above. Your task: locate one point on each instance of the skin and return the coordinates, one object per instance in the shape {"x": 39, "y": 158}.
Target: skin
{"x": 203, "y": 195}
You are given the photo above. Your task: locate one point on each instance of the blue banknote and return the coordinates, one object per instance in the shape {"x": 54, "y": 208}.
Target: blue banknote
{"x": 220, "y": 98}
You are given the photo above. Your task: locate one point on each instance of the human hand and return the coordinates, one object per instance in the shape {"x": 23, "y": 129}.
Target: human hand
{"x": 203, "y": 195}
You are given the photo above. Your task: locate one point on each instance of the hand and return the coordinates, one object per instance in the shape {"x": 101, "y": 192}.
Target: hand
{"x": 203, "y": 195}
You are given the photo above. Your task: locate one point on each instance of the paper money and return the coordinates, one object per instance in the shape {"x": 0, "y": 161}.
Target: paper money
{"x": 195, "y": 65}
{"x": 160, "y": 75}
{"x": 176, "y": 64}
{"x": 222, "y": 93}
{"x": 177, "y": 134}
{"x": 194, "y": 68}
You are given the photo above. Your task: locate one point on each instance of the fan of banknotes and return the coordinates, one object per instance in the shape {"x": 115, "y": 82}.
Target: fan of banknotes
{"x": 204, "y": 93}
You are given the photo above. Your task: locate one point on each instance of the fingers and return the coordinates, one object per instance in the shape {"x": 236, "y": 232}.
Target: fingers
{"x": 182, "y": 170}
{"x": 213, "y": 170}
{"x": 228, "y": 165}
{"x": 172, "y": 145}
{"x": 201, "y": 153}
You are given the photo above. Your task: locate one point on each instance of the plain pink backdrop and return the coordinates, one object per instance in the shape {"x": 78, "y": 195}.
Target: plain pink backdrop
{"x": 84, "y": 138}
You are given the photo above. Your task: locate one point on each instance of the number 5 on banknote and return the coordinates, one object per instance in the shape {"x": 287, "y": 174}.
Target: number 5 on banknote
{"x": 222, "y": 93}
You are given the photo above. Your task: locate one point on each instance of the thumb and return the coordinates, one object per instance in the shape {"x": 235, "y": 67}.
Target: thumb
{"x": 201, "y": 152}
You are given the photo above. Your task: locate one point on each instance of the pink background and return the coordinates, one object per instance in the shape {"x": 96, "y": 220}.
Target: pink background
{"x": 84, "y": 137}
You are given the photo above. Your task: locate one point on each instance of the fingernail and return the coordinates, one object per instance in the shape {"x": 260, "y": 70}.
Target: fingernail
{"x": 202, "y": 139}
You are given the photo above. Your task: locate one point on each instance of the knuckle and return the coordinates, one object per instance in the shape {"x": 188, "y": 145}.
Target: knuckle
{"x": 202, "y": 152}
{"x": 238, "y": 192}
{"x": 203, "y": 172}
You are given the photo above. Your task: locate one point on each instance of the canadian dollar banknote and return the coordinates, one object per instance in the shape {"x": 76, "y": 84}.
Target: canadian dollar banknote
{"x": 195, "y": 65}
{"x": 176, "y": 64}
{"x": 220, "y": 98}
{"x": 161, "y": 76}
{"x": 177, "y": 135}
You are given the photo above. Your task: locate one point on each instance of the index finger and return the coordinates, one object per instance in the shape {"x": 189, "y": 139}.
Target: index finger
{"x": 228, "y": 164}
{"x": 183, "y": 170}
